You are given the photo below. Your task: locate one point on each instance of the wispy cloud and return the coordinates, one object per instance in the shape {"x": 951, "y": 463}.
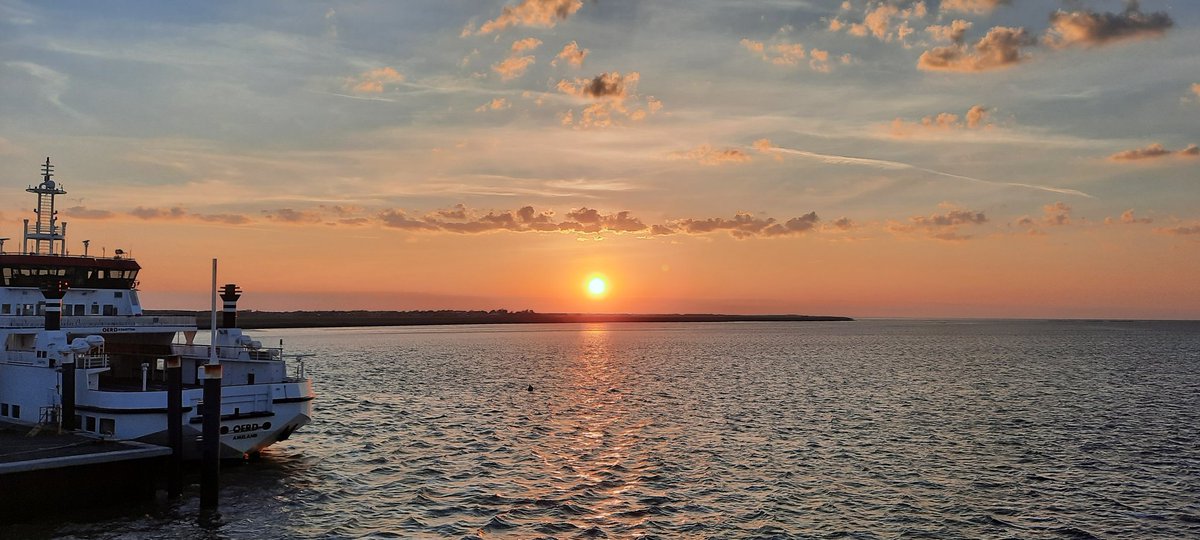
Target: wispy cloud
{"x": 1154, "y": 151}
{"x": 708, "y": 155}
{"x": 833, "y": 159}
{"x": 373, "y": 81}
{"x": 977, "y": 7}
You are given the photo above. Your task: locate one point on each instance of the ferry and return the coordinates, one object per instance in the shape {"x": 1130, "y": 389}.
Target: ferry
{"x": 77, "y": 342}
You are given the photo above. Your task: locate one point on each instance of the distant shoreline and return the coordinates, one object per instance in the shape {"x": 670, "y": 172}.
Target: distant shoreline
{"x": 319, "y": 319}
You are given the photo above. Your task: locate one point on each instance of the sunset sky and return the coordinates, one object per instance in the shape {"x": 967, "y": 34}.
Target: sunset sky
{"x": 952, "y": 158}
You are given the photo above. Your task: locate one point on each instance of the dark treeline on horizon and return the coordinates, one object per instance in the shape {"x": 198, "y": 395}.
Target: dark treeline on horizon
{"x": 312, "y": 319}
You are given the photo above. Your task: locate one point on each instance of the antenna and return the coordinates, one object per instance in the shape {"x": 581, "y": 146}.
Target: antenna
{"x": 2, "y": 245}
{"x": 48, "y": 237}
{"x": 85, "y": 247}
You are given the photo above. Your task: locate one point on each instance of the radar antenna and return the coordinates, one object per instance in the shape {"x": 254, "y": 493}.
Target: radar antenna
{"x": 49, "y": 238}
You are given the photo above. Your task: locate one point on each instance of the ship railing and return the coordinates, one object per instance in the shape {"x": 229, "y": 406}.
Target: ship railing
{"x": 265, "y": 354}
{"x": 102, "y": 322}
{"x": 91, "y": 361}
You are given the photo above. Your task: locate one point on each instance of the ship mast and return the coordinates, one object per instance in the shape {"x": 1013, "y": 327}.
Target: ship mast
{"x": 48, "y": 237}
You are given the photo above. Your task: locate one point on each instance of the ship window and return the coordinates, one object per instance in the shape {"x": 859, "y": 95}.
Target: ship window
{"x": 91, "y": 424}
{"x": 16, "y": 409}
{"x": 3, "y": 409}
{"x": 108, "y": 426}
{"x": 95, "y": 309}
{"x": 110, "y": 310}
{"x": 6, "y": 309}
{"x": 119, "y": 294}
{"x": 79, "y": 310}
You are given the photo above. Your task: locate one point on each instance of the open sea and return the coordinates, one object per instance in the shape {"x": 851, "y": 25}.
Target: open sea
{"x": 863, "y": 430}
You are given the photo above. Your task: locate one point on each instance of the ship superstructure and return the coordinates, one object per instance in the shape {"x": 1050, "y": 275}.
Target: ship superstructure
{"x": 79, "y": 351}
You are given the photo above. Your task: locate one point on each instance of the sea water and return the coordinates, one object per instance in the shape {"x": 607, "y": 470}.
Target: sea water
{"x": 866, "y": 429}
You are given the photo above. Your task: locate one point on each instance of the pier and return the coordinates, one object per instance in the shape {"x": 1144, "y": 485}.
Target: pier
{"x": 51, "y": 473}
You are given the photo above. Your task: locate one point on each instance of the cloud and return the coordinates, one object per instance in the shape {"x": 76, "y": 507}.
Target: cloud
{"x": 373, "y": 81}
{"x": 1154, "y": 151}
{"x": 613, "y": 96}
{"x": 1056, "y": 214}
{"x": 878, "y": 21}
{"x": 977, "y": 7}
{"x": 975, "y": 118}
{"x": 494, "y": 105}
{"x": 944, "y": 226}
{"x": 707, "y": 155}
{"x": 178, "y": 213}
{"x": 462, "y": 220}
{"x": 527, "y": 44}
{"x": 228, "y": 219}
{"x": 1127, "y": 218}
{"x": 1196, "y": 89}
{"x": 513, "y": 66}
{"x": 537, "y": 13}
{"x": 603, "y": 86}
{"x": 80, "y": 212}
{"x": 288, "y": 215}
{"x": 571, "y": 54}
{"x": 842, "y": 224}
{"x": 1000, "y": 48}
{"x": 743, "y": 225}
{"x": 780, "y": 54}
{"x": 955, "y": 32}
{"x": 1090, "y": 29}
{"x": 1181, "y": 230}
{"x": 764, "y": 145}
{"x": 174, "y": 212}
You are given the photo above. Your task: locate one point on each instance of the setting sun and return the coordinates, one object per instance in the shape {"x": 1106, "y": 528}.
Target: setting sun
{"x": 597, "y": 287}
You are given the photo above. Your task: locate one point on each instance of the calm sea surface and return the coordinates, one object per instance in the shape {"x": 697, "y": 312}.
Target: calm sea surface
{"x": 868, "y": 429}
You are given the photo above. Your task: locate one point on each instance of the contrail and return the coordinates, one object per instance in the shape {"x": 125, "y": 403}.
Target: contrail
{"x": 896, "y": 166}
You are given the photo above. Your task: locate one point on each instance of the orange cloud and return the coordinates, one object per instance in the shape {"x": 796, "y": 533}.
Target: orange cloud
{"x": 613, "y": 96}
{"x": 494, "y": 105}
{"x": 1181, "y": 230}
{"x": 1000, "y": 48}
{"x": 707, "y": 155}
{"x": 955, "y": 32}
{"x": 572, "y": 54}
{"x": 975, "y": 118}
{"x": 780, "y": 54}
{"x": 537, "y": 13}
{"x": 526, "y": 44}
{"x": 1154, "y": 151}
{"x": 288, "y": 215}
{"x": 513, "y": 66}
{"x": 462, "y": 220}
{"x": 941, "y": 226}
{"x": 743, "y": 225}
{"x": 1196, "y": 89}
{"x": 1056, "y": 214}
{"x": 977, "y": 7}
{"x": 373, "y": 81}
{"x": 1089, "y": 29}
{"x": 878, "y": 21}
{"x": 1127, "y": 218}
